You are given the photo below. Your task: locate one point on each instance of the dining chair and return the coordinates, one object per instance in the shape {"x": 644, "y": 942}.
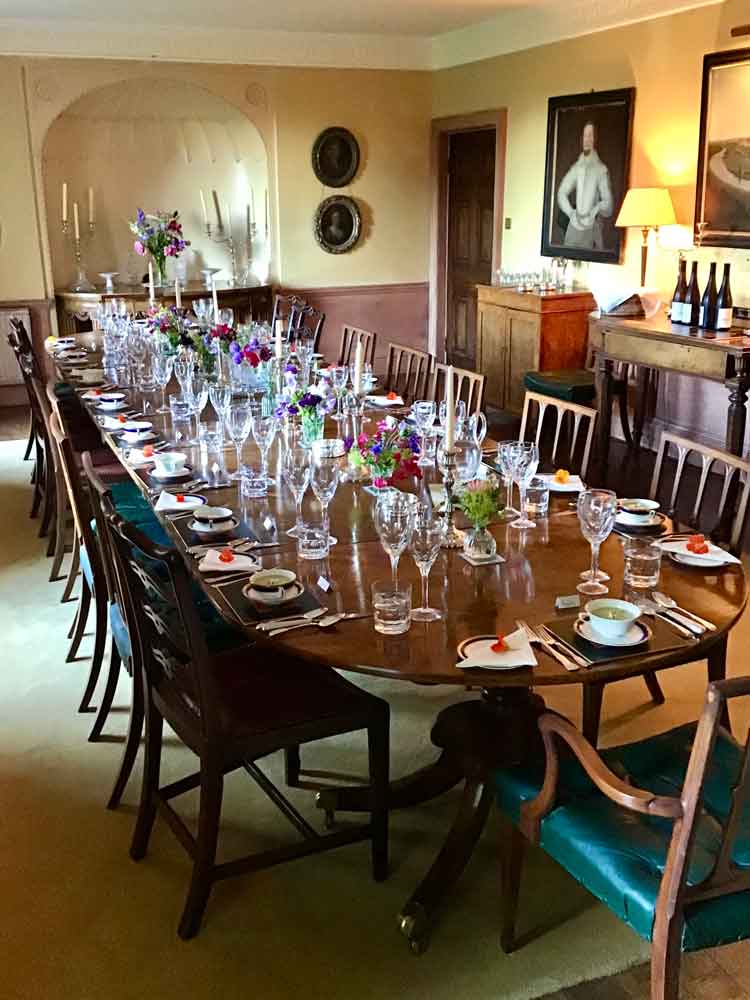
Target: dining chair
{"x": 657, "y": 830}
{"x": 535, "y": 403}
{"x": 230, "y": 710}
{"x": 309, "y": 325}
{"x": 467, "y": 385}
{"x": 350, "y": 336}
{"x": 42, "y": 496}
{"x": 287, "y": 308}
{"x": 59, "y": 507}
{"x": 407, "y": 371}
{"x": 14, "y": 339}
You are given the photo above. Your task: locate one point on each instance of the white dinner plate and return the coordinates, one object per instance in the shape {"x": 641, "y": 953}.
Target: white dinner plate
{"x": 701, "y": 562}
{"x": 479, "y": 645}
{"x": 184, "y": 473}
{"x": 638, "y": 633}
{"x": 217, "y": 528}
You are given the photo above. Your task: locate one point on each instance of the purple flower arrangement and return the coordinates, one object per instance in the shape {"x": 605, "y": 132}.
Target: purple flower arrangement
{"x": 166, "y": 321}
{"x": 390, "y": 453}
{"x": 159, "y": 234}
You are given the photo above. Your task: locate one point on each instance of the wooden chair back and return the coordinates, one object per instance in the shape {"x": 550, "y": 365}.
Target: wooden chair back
{"x": 407, "y": 371}
{"x": 467, "y": 385}
{"x": 98, "y": 491}
{"x": 350, "y": 336}
{"x": 21, "y": 345}
{"x": 163, "y": 623}
{"x": 731, "y": 524}
{"x": 576, "y": 414}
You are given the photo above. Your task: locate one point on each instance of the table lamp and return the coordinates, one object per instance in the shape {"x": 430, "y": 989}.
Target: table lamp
{"x": 646, "y": 209}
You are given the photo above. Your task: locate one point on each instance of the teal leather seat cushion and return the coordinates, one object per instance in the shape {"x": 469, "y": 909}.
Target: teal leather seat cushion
{"x": 620, "y": 856}
{"x": 572, "y": 385}
{"x": 119, "y": 631}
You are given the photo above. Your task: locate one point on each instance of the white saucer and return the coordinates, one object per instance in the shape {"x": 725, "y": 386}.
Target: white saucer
{"x": 217, "y": 528}
{"x": 270, "y": 598}
{"x": 653, "y": 520}
{"x": 702, "y": 562}
{"x": 638, "y": 633}
{"x": 181, "y": 474}
{"x": 143, "y": 438}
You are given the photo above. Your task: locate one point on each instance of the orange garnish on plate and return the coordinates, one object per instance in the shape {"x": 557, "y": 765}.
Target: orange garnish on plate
{"x": 148, "y": 450}
{"x": 501, "y": 646}
{"x": 180, "y": 498}
{"x": 226, "y": 555}
{"x": 97, "y": 392}
{"x": 562, "y": 476}
{"x": 122, "y": 418}
{"x": 697, "y": 544}
{"x": 392, "y": 395}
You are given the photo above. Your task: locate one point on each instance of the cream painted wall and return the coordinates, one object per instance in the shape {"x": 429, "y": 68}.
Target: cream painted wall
{"x": 388, "y": 111}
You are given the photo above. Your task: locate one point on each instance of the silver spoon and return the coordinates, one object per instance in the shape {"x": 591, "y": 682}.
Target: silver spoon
{"x": 669, "y": 602}
{"x": 690, "y": 630}
{"x": 299, "y": 619}
{"x": 320, "y": 623}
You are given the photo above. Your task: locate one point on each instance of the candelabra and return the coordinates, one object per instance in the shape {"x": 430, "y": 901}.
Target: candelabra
{"x": 222, "y": 237}
{"x": 452, "y": 537}
{"x": 82, "y": 283}
{"x": 249, "y": 277}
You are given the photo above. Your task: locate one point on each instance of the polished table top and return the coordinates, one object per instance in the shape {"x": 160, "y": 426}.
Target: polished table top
{"x": 540, "y": 564}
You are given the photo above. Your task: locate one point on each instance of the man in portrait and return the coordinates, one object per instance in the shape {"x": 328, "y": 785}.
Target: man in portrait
{"x": 585, "y": 196}
{"x": 337, "y": 227}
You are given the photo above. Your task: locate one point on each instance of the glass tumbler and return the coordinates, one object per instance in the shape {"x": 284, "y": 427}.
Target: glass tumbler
{"x": 181, "y": 411}
{"x": 537, "y": 497}
{"x": 312, "y": 541}
{"x": 642, "y": 563}
{"x": 391, "y": 605}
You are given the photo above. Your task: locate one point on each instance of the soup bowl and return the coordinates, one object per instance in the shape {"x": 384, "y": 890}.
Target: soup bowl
{"x": 611, "y": 618}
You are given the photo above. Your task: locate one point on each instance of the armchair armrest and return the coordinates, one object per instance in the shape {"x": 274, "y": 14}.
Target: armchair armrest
{"x": 553, "y": 726}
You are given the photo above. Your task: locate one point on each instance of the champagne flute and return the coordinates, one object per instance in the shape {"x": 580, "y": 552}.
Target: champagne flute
{"x": 264, "y": 431}
{"x": 238, "y": 420}
{"x": 220, "y": 394}
{"x": 505, "y": 461}
{"x": 525, "y": 464}
{"x": 339, "y": 377}
{"x": 296, "y": 472}
{"x": 162, "y": 374}
{"x": 596, "y": 515}
{"x": 393, "y": 515}
{"x": 325, "y": 473}
{"x": 423, "y": 411}
{"x": 424, "y": 546}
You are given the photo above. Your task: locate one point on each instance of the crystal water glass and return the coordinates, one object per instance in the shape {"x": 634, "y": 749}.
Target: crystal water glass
{"x": 505, "y": 461}
{"x": 312, "y": 541}
{"x": 393, "y": 515}
{"x": 537, "y": 497}
{"x": 642, "y": 563}
{"x": 525, "y": 464}
{"x": 183, "y": 367}
{"x": 596, "y": 515}
{"x": 238, "y": 421}
{"x": 220, "y": 394}
{"x": 296, "y": 473}
{"x": 391, "y": 606}
{"x": 181, "y": 412}
{"x": 264, "y": 431}
{"x": 339, "y": 378}
{"x": 325, "y": 472}
{"x": 460, "y": 414}
{"x": 423, "y": 411}
{"x": 426, "y": 539}
{"x": 162, "y": 366}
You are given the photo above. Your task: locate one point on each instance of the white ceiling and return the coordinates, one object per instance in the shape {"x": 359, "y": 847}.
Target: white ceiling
{"x": 425, "y": 31}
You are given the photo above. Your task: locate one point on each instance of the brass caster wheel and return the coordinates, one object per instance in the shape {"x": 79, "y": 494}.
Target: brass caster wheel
{"x": 413, "y": 924}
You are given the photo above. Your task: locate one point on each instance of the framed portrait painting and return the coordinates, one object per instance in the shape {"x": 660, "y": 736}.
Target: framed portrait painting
{"x": 722, "y": 193}
{"x": 335, "y": 157}
{"x": 586, "y": 174}
{"x": 337, "y": 224}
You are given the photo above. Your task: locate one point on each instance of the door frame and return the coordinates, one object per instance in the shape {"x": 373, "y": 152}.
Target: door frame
{"x": 442, "y": 130}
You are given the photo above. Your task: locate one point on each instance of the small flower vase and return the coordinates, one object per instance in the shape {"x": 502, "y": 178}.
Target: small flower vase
{"x": 312, "y": 428}
{"x": 479, "y": 543}
{"x": 381, "y": 474}
{"x": 160, "y": 269}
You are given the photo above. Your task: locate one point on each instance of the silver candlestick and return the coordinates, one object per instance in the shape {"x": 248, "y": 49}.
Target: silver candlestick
{"x": 222, "y": 237}
{"x": 82, "y": 283}
{"x": 249, "y": 277}
{"x": 453, "y": 538}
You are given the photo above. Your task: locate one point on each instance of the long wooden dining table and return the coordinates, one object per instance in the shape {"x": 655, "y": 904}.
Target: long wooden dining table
{"x": 474, "y": 735}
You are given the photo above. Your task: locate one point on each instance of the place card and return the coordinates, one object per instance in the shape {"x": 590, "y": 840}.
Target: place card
{"x": 492, "y": 561}
{"x": 324, "y": 584}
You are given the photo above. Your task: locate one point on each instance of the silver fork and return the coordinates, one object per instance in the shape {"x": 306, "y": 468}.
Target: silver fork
{"x": 555, "y": 640}
{"x": 533, "y": 638}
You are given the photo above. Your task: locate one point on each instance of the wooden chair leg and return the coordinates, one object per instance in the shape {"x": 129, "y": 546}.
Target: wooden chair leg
{"x": 717, "y": 671}
{"x": 665, "y": 958}
{"x": 593, "y": 695}
{"x": 212, "y": 789}
{"x": 622, "y": 406}
{"x": 292, "y": 766}
{"x": 30, "y": 442}
{"x": 654, "y": 687}
{"x": 81, "y": 618}
{"x": 132, "y": 742}
{"x": 100, "y": 641}
{"x": 150, "y": 785}
{"x": 48, "y": 517}
{"x": 59, "y": 550}
{"x": 73, "y": 570}
{"x": 511, "y": 867}
{"x": 379, "y": 756}
{"x": 73, "y": 624}
{"x": 109, "y": 692}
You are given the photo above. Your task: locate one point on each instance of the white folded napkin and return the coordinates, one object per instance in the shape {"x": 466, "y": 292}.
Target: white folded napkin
{"x": 573, "y": 485}
{"x": 111, "y": 423}
{"x": 385, "y": 401}
{"x": 714, "y": 552}
{"x": 137, "y": 459}
{"x": 168, "y": 501}
{"x": 211, "y": 563}
{"x": 519, "y": 654}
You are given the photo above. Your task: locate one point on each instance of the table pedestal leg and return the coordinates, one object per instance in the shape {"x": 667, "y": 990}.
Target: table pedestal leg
{"x": 737, "y": 413}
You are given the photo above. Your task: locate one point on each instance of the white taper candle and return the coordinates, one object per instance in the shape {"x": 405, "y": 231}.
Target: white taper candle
{"x": 215, "y": 297}
{"x": 203, "y": 206}
{"x": 279, "y": 338}
{"x": 151, "y": 294}
{"x": 177, "y": 293}
{"x": 65, "y": 201}
{"x": 450, "y": 410}
{"x": 76, "y": 222}
{"x": 357, "y": 376}
{"x": 91, "y": 206}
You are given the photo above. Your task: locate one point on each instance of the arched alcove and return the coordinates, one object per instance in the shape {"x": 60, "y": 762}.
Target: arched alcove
{"x": 152, "y": 143}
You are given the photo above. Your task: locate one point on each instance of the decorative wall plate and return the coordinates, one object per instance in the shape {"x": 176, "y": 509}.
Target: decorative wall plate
{"x": 337, "y": 224}
{"x": 335, "y": 157}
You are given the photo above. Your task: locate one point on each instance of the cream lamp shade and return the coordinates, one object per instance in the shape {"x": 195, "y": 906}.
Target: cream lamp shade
{"x": 646, "y": 209}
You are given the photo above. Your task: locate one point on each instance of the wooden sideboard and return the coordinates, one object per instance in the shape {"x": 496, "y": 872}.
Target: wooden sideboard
{"x": 527, "y": 331}
{"x": 74, "y": 309}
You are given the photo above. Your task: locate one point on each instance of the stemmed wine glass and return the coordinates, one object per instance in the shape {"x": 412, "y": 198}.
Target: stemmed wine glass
{"x": 183, "y": 370}
{"x": 596, "y": 515}
{"x": 460, "y": 415}
{"x": 239, "y": 421}
{"x": 264, "y": 431}
{"x": 196, "y": 392}
{"x": 525, "y": 457}
{"x": 424, "y": 546}
{"x": 325, "y": 472}
{"x": 220, "y": 394}
{"x": 393, "y": 515}
{"x": 423, "y": 411}
{"x": 505, "y": 460}
{"x": 296, "y": 472}
{"x": 339, "y": 377}
{"x": 162, "y": 369}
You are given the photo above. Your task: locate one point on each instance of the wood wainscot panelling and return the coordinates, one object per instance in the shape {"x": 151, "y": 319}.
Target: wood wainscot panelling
{"x": 394, "y": 312}
{"x": 41, "y": 328}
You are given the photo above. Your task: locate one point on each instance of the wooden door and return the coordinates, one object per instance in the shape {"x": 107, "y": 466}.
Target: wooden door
{"x": 491, "y": 353}
{"x": 523, "y": 338}
{"x": 471, "y": 206}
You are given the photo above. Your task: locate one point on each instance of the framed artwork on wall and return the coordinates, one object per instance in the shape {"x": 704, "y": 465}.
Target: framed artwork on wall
{"x": 722, "y": 190}
{"x": 335, "y": 157}
{"x": 337, "y": 224}
{"x": 586, "y": 174}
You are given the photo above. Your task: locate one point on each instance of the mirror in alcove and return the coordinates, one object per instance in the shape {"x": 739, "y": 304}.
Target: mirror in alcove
{"x": 154, "y": 144}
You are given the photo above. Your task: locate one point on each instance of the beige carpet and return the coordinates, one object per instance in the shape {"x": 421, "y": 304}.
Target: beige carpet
{"x": 80, "y": 921}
